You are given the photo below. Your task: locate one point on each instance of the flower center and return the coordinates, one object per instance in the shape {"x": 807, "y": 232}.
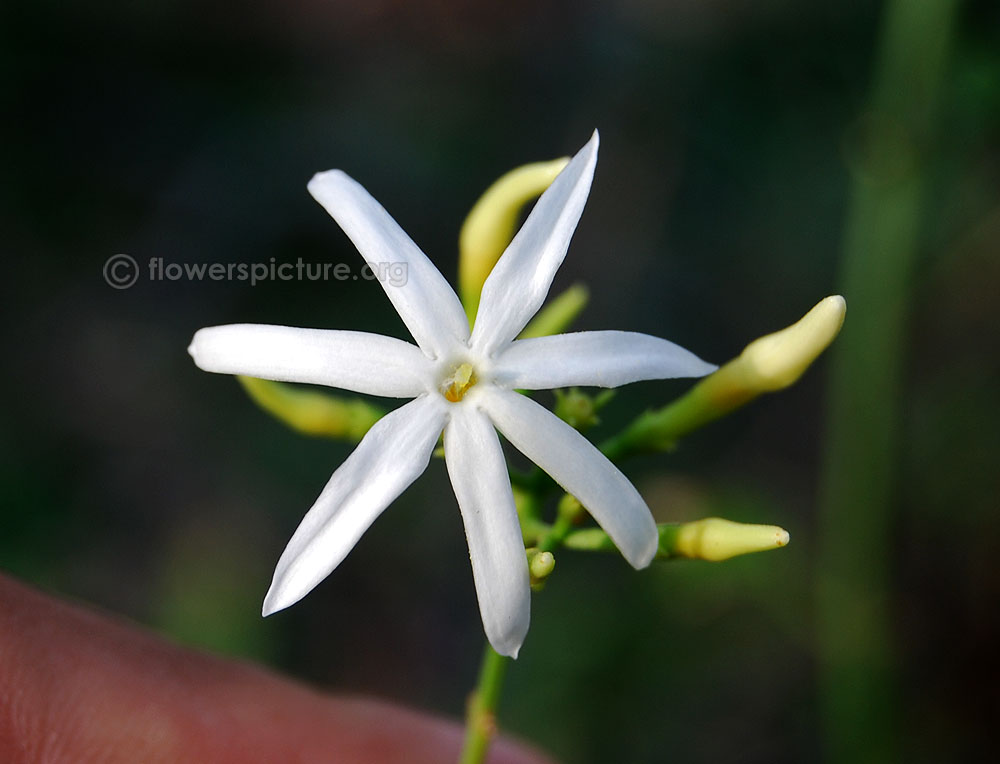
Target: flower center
{"x": 456, "y": 384}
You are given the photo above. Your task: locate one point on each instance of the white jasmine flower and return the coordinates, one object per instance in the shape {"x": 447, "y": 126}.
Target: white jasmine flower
{"x": 463, "y": 384}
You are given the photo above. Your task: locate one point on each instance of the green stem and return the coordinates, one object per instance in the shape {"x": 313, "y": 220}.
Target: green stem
{"x": 596, "y": 540}
{"x": 555, "y": 534}
{"x": 480, "y": 716}
{"x": 533, "y": 531}
{"x": 660, "y": 429}
{"x": 657, "y": 430}
{"x": 856, "y": 643}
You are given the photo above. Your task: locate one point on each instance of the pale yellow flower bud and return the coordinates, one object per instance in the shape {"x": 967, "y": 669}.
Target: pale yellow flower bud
{"x": 492, "y": 222}
{"x": 716, "y": 539}
{"x": 777, "y": 360}
{"x": 312, "y": 412}
{"x": 767, "y": 364}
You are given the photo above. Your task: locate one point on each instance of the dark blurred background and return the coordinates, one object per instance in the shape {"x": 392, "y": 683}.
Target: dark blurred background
{"x": 187, "y": 131}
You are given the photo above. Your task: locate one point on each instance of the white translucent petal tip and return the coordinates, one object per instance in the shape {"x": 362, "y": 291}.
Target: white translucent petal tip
{"x": 272, "y": 604}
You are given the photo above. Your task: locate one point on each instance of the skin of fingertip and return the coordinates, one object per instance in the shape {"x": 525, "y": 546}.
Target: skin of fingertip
{"x": 82, "y": 686}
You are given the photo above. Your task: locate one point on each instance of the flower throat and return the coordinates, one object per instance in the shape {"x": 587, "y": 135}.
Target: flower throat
{"x": 454, "y": 387}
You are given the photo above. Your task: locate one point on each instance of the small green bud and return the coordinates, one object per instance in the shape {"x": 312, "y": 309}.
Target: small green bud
{"x": 576, "y": 409}
{"x": 540, "y": 567}
{"x": 569, "y": 507}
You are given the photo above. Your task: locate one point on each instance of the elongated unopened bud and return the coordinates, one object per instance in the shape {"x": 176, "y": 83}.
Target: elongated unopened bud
{"x": 716, "y": 539}
{"x": 773, "y": 361}
{"x": 312, "y": 412}
{"x": 777, "y": 360}
{"x": 712, "y": 539}
{"x": 492, "y": 223}
{"x": 767, "y": 364}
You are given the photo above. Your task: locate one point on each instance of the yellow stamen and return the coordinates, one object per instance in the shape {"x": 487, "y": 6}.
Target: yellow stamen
{"x": 462, "y": 378}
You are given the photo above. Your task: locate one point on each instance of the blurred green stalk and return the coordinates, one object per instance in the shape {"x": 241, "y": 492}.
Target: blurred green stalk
{"x": 887, "y": 154}
{"x": 481, "y": 712}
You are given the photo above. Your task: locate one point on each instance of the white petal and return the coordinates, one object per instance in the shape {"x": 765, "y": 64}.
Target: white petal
{"x": 575, "y": 464}
{"x": 358, "y": 361}
{"x": 478, "y": 474}
{"x": 391, "y": 456}
{"x": 600, "y": 359}
{"x": 425, "y": 301}
{"x": 520, "y": 280}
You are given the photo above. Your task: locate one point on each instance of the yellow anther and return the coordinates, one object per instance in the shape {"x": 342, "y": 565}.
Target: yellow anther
{"x": 457, "y": 384}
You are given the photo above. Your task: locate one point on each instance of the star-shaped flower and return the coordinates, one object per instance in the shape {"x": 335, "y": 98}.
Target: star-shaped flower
{"x": 464, "y": 384}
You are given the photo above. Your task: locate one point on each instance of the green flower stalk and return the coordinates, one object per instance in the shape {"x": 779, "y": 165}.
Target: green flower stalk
{"x": 558, "y": 314}
{"x": 887, "y": 211}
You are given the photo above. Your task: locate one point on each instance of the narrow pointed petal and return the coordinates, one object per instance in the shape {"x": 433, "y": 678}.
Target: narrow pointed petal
{"x": 423, "y": 298}
{"x": 478, "y": 474}
{"x": 575, "y": 464}
{"x": 391, "y": 456}
{"x": 357, "y": 361}
{"x": 520, "y": 281}
{"x": 599, "y": 359}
